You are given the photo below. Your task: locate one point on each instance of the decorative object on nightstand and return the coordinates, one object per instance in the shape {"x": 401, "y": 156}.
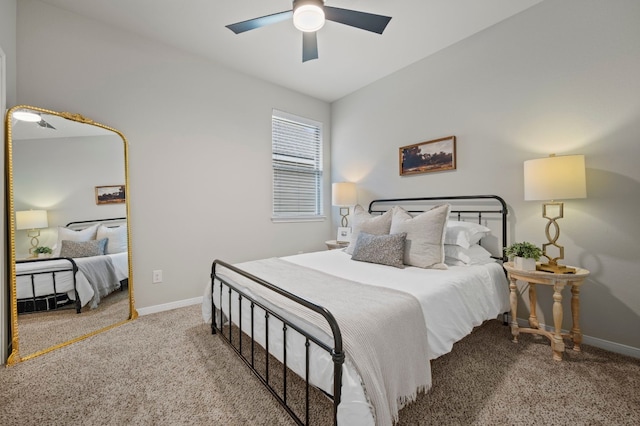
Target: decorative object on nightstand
{"x": 33, "y": 221}
{"x": 524, "y": 255}
{"x": 554, "y": 178}
{"x": 42, "y": 251}
{"x": 344, "y": 195}
{"x": 558, "y": 282}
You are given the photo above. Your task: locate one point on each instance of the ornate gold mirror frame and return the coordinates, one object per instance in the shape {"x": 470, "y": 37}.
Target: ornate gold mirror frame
{"x": 15, "y": 355}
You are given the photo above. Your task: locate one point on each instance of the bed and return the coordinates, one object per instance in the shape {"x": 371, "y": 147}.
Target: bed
{"x": 363, "y": 332}
{"x": 89, "y": 262}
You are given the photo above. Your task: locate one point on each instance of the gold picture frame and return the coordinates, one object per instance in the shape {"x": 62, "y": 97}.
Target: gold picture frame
{"x": 110, "y": 194}
{"x": 431, "y": 156}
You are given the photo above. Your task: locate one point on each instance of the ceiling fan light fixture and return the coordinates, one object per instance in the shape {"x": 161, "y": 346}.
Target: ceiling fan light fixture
{"x": 31, "y": 117}
{"x": 308, "y": 16}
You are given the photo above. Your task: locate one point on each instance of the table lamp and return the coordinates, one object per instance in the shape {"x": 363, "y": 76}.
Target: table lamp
{"x": 554, "y": 178}
{"x": 33, "y": 220}
{"x": 344, "y": 194}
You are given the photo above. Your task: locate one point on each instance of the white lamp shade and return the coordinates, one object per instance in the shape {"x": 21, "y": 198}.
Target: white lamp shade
{"x": 31, "y": 219}
{"x": 555, "y": 178}
{"x": 344, "y": 194}
{"x": 308, "y": 16}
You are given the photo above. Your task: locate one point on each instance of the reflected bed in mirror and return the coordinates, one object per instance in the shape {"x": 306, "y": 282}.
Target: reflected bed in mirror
{"x": 70, "y": 273}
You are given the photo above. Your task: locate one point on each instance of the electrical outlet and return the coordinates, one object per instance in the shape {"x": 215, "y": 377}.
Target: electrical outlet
{"x": 157, "y": 276}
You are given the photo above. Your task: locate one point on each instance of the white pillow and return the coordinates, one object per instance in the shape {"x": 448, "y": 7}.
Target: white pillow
{"x": 86, "y": 234}
{"x": 474, "y": 255}
{"x": 117, "y": 237}
{"x": 424, "y": 246}
{"x": 465, "y": 234}
{"x": 363, "y": 221}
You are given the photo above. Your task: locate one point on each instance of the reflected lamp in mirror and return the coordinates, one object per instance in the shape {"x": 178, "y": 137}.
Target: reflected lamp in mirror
{"x": 343, "y": 194}
{"x": 32, "y": 221}
{"x": 551, "y": 179}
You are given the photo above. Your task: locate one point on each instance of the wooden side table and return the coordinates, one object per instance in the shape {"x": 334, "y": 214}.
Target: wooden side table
{"x": 558, "y": 281}
{"x": 333, "y": 244}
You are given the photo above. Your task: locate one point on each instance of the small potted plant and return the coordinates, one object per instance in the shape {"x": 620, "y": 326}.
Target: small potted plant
{"x": 524, "y": 255}
{"x": 42, "y": 251}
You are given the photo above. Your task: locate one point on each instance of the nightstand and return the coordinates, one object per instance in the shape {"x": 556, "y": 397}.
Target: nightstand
{"x": 333, "y": 244}
{"x": 558, "y": 281}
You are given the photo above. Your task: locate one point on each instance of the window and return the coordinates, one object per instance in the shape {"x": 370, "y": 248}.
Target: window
{"x": 297, "y": 167}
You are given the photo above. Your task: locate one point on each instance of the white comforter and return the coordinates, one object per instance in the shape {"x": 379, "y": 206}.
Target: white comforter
{"x": 453, "y": 302}
{"x": 64, "y": 280}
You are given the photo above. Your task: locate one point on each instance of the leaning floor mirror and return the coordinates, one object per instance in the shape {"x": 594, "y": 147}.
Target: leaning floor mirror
{"x": 68, "y": 208}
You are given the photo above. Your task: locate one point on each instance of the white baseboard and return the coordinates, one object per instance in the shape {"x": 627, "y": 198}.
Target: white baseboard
{"x": 169, "y": 306}
{"x": 593, "y": 341}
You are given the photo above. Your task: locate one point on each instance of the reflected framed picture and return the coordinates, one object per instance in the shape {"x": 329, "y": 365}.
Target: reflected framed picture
{"x": 431, "y": 156}
{"x": 344, "y": 235}
{"x": 112, "y": 194}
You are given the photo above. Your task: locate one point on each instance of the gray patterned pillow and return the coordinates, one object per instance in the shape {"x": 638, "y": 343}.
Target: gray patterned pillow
{"x": 83, "y": 248}
{"x": 380, "y": 249}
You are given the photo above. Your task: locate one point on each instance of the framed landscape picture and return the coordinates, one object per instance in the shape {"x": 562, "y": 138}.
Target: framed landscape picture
{"x": 113, "y": 194}
{"x": 431, "y": 156}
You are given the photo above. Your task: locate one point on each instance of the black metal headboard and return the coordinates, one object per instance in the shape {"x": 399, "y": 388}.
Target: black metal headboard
{"x": 112, "y": 221}
{"x": 463, "y": 207}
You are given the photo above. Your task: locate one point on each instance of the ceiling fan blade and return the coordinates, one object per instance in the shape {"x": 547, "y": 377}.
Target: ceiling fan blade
{"x": 45, "y": 125}
{"x": 309, "y": 46}
{"x": 353, "y": 18}
{"x": 252, "y": 24}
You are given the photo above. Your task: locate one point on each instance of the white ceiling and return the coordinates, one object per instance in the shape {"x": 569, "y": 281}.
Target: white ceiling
{"x": 349, "y": 58}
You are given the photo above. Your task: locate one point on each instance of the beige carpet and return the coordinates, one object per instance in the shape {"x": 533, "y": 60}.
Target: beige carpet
{"x": 167, "y": 369}
{"x": 41, "y": 330}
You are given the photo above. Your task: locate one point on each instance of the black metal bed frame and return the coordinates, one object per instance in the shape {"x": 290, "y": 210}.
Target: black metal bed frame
{"x": 218, "y": 319}
{"x": 336, "y": 352}
{"x": 73, "y": 268}
{"x": 502, "y": 211}
{"x": 85, "y": 222}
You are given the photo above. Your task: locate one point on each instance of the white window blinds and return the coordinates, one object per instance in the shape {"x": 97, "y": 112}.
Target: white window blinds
{"x": 297, "y": 167}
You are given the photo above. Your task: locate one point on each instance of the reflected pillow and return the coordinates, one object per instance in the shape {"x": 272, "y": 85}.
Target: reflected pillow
{"x": 424, "y": 245}
{"x": 474, "y": 255}
{"x": 380, "y": 249}
{"x": 465, "y": 234}
{"x": 117, "y": 237}
{"x": 67, "y": 234}
{"x": 83, "y": 248}
{"x": 363, "y": 221}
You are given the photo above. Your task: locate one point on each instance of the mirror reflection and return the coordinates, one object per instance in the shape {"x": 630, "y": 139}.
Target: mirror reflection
{"x": 68, "y": 209}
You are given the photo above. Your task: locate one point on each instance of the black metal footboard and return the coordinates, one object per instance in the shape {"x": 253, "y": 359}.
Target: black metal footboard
{"x": 53, "y": 297}
{"x": 218, "y": 320}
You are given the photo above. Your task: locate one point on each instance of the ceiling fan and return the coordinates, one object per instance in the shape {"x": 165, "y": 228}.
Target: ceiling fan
{"x": 44, "y": 124}
{"x": 32, "y": 117}
{"x": 309, "y": 16}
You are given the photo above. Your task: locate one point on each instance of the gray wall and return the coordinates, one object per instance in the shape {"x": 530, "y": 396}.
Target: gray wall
{"x": 7, "y": 97}
{"x": 561, "y": 77}
{"x": 8, "y": 10}
{"x": 199, "y": 142}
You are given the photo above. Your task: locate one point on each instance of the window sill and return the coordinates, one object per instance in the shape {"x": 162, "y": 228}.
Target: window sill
{"x": 285, "y": 219}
